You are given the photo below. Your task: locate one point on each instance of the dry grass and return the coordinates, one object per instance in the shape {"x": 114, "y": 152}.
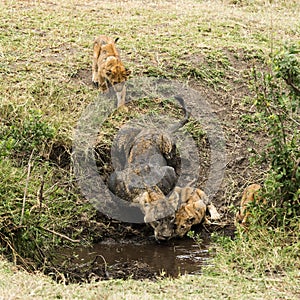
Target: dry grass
{"x": 21, "y": 285}
{"x": 45, "y": 63}
{"x": 46, "y": 47}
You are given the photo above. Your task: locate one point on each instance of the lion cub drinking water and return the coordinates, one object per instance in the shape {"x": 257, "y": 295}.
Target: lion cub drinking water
{"x": 174, "y": 215}
{"x": 108, "y": 69}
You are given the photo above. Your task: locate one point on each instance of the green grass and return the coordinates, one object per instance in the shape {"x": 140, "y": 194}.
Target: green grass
{"x": 258, "y": 252}
{"x": 45, "y": 85}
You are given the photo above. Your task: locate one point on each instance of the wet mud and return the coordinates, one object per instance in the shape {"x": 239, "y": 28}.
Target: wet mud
{"x": 128, "y": 259}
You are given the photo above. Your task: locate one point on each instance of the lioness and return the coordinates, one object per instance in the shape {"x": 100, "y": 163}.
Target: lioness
{"x": 250, "y": 194}
{"x": 141, "y": 160}
{"x": 142, "y": 175}
{"x": 108, "y": 69}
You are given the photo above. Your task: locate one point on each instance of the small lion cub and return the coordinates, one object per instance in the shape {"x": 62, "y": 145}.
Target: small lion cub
{"x": 108, "y": 69}
{"x": 250, "y": 194}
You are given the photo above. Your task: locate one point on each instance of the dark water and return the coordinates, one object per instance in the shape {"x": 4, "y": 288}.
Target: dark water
{"x": 171, "y": 259}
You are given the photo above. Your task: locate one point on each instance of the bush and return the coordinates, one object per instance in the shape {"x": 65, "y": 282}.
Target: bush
{"x": 38, "y": 197}
{"x": 277, "y": 101}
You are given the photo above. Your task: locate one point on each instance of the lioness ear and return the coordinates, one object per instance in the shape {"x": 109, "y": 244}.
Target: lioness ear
{"x": 116, "y": 39}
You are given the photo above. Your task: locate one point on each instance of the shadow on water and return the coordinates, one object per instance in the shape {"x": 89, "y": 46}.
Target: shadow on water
{"x": 137, "y": 260}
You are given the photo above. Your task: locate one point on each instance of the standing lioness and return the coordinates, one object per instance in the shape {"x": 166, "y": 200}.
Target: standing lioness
{"x": 108, "y": 69}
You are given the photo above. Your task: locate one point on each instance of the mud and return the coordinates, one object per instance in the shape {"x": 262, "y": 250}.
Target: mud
{"x": 136, "y": 257}
{"x": 129, "y": 259}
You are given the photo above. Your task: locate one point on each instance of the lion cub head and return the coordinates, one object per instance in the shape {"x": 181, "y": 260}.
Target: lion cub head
{"x": 115, "y": 72}
{"x": 192, "y": 210}
{"x": 159, "y": 213}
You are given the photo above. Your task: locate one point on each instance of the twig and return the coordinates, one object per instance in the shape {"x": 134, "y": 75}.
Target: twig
{"x": 15, "y": 254}
{"x": 105, "y": 264}
{"x": 40, "y": 195}
{"x": 292, "y": 85}
{"x": 26, "y": 187}
{"x": 60, "y": 235}
{"x": 96, "y": 258}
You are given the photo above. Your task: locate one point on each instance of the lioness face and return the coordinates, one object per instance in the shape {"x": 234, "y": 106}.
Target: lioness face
{"x": 163, "y": 216}
{"x": 163, "y": 229}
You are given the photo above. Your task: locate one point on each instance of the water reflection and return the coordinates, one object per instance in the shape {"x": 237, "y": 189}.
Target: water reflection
{"x": 174, "y": 258}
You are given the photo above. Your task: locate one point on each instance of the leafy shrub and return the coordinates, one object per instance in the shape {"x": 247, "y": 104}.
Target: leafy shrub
{"x": 278, "y": 102}
{"x": 37, "y": 198}
{"x": 270, "y": 244}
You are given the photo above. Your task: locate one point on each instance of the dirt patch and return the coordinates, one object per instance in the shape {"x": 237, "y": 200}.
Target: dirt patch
{"x": 60, "y": 154}
{"x": 82, "y": 76}
{"x": 230, "y": 102}
{"x": 97, "y": 270}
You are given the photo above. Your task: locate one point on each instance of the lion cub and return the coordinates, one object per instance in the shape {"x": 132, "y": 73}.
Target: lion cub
{"x": 174, "y": 215}
{"x": 108, "y": 69}
{"x": 251, "y": 194}
{"x": 193, "y": 210}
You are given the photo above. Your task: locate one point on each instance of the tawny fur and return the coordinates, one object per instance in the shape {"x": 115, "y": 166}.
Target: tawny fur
{"x": 250, "y": 194}
{"x": 193, "y": 209}
{"x": 142, "y": 176}
{"x": 141, "y": 157}
{"x": 176, "y": 214}
{"x": 108, "y": 69}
